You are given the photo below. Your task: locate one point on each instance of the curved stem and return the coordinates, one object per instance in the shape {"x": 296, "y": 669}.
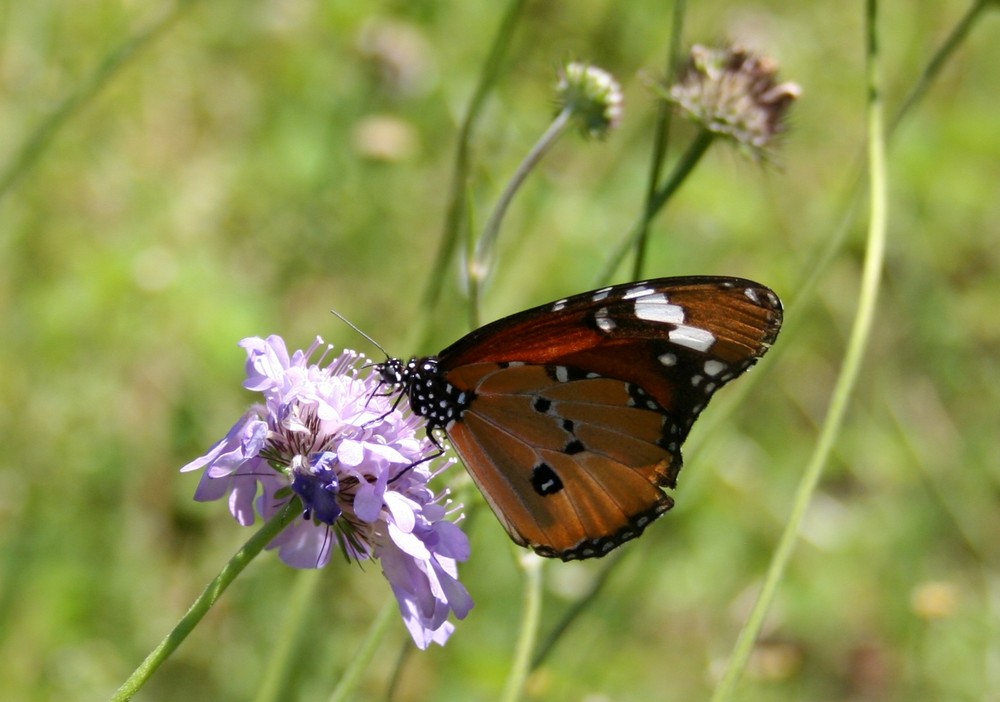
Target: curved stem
{"x": 530, "y": 618}
{"x": 681, "y": 171}
{"x": 479, "y": 266}
{"x": 296, "y": 618}
{"x": 573, "y": 614}
{"x": 457, "y": 195}
{"x": 208, "y": 597}
{"x": 860, "y": 333}
{"x": 661, "y": 139}
{"x": 365, "y": 652}
{"x": 115, "y": 61}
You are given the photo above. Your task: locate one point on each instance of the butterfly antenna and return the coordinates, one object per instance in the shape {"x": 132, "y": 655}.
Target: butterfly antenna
{"x": 356, "y": 328}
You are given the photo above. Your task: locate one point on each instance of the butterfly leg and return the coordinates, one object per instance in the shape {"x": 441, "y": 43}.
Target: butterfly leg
{"x": 425, "y": 459}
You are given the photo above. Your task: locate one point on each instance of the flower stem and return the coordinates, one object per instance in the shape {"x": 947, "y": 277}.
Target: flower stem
{"x": 297, "y": 617}
{"x": 661, "y": 138}
{"x": 208, "y": 597}
{"x": 365, "y": 652}
{"x": 576, "y": 610}
{"x": 460, "y": 174}
{"x": 681, "y": 171}
{"x": 952, "y": 42}
{"x": 530, "y": 619}
{"x": 860, "y": 333}
{"x": 479, "y": 266}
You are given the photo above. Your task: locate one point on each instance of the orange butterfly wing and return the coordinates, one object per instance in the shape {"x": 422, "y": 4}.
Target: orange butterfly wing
{"x": 570, "y": 467}
{"x": 573, "y": 413}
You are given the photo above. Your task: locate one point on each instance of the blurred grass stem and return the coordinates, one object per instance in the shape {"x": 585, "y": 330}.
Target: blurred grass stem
{"x": 298, "y": 616}
{"x": 460, "y": 174}
{"x": 531, "y": 615}
{"x": 578, "y": 607}
{"x": 479, "y": 266}
{"x": 860, "y": 333}
{"x": 955, "y": 38}
{"x": 365, "y": 653}
{"x": 636, "y": 232}
{"x": 661, "y": 138}
{"x": 113, "y": 63}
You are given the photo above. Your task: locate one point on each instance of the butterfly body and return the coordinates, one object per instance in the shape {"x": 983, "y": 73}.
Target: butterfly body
{"x": 570, "y": 416}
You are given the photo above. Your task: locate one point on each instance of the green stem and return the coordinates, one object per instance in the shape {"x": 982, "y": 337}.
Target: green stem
{"x": 365, "y": 653}
{"x": 661, "y": 139}
{"x": 479, "y": 266}
{"x": 860, "y": 333}
{"x": 835, "y": 241}
{"x": 460, "y": 175}
{"x": 207, "y": 598}
{"x": 684, "y": 166}
{"x": 530, "y": 619}
{"x": 576, "y": 610}
{"x": 114, "y": 62}
{"x": 956, "y": 38}
{"x": 297, "y": 617}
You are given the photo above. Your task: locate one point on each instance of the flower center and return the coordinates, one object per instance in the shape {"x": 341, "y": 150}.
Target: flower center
{"x": 315, "y": 482}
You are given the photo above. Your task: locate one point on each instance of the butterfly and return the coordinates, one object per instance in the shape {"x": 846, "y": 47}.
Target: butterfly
{"x": 570, "y": 416}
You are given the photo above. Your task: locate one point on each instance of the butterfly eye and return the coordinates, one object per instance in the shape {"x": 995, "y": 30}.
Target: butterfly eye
{"x": 570, "y": 416}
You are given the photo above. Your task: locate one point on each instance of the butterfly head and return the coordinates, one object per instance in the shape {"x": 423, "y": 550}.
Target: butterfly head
{"x": 393, "y": 372}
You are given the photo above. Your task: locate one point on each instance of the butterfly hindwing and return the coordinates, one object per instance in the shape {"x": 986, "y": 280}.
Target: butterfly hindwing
{"x": 568, "y": 464}
{"x": 570, "y": 416}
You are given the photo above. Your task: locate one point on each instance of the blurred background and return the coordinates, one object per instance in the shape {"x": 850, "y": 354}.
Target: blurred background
{"x": 255, "y": 164}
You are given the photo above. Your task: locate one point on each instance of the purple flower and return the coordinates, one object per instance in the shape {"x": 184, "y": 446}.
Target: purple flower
{"x": 360, "y": 467}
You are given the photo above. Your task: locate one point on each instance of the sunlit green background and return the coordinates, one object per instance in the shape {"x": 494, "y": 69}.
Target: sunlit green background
{"x": 258, "y": 163}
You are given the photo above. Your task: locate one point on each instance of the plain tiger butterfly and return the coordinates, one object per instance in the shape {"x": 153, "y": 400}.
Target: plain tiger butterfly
{"x": 570, "y": 416}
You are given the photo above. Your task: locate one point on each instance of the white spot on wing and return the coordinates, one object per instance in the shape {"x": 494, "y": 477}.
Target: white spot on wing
{"x": 752, "y": 295}
{"x": 558, "y": 305}
{"x": 639, "y": 291}
{"x": 562, "y": 374}
{"x": 668, "y": 359}
{"x": 600, "y": 294}
{"x": 656, "y": 308}
{"x": 603, "y": 321}
{"x": 692, "y": 337}
{"x": 714, "y": 367}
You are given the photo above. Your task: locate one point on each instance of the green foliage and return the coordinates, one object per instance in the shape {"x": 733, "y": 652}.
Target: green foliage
{"x": 172, "y": 183}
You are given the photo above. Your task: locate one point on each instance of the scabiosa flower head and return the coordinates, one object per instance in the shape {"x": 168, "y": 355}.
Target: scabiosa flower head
{"x": 592, "y": 95}
{"x": 733, "y": 93}
{"x": 360, "y": 469}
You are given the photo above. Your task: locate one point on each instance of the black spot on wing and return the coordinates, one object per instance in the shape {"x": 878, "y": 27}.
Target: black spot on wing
{"x": 545, "y": 480}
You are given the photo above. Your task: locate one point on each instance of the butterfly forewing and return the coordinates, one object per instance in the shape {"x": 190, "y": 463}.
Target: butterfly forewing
{"x": 570, "y": 416}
